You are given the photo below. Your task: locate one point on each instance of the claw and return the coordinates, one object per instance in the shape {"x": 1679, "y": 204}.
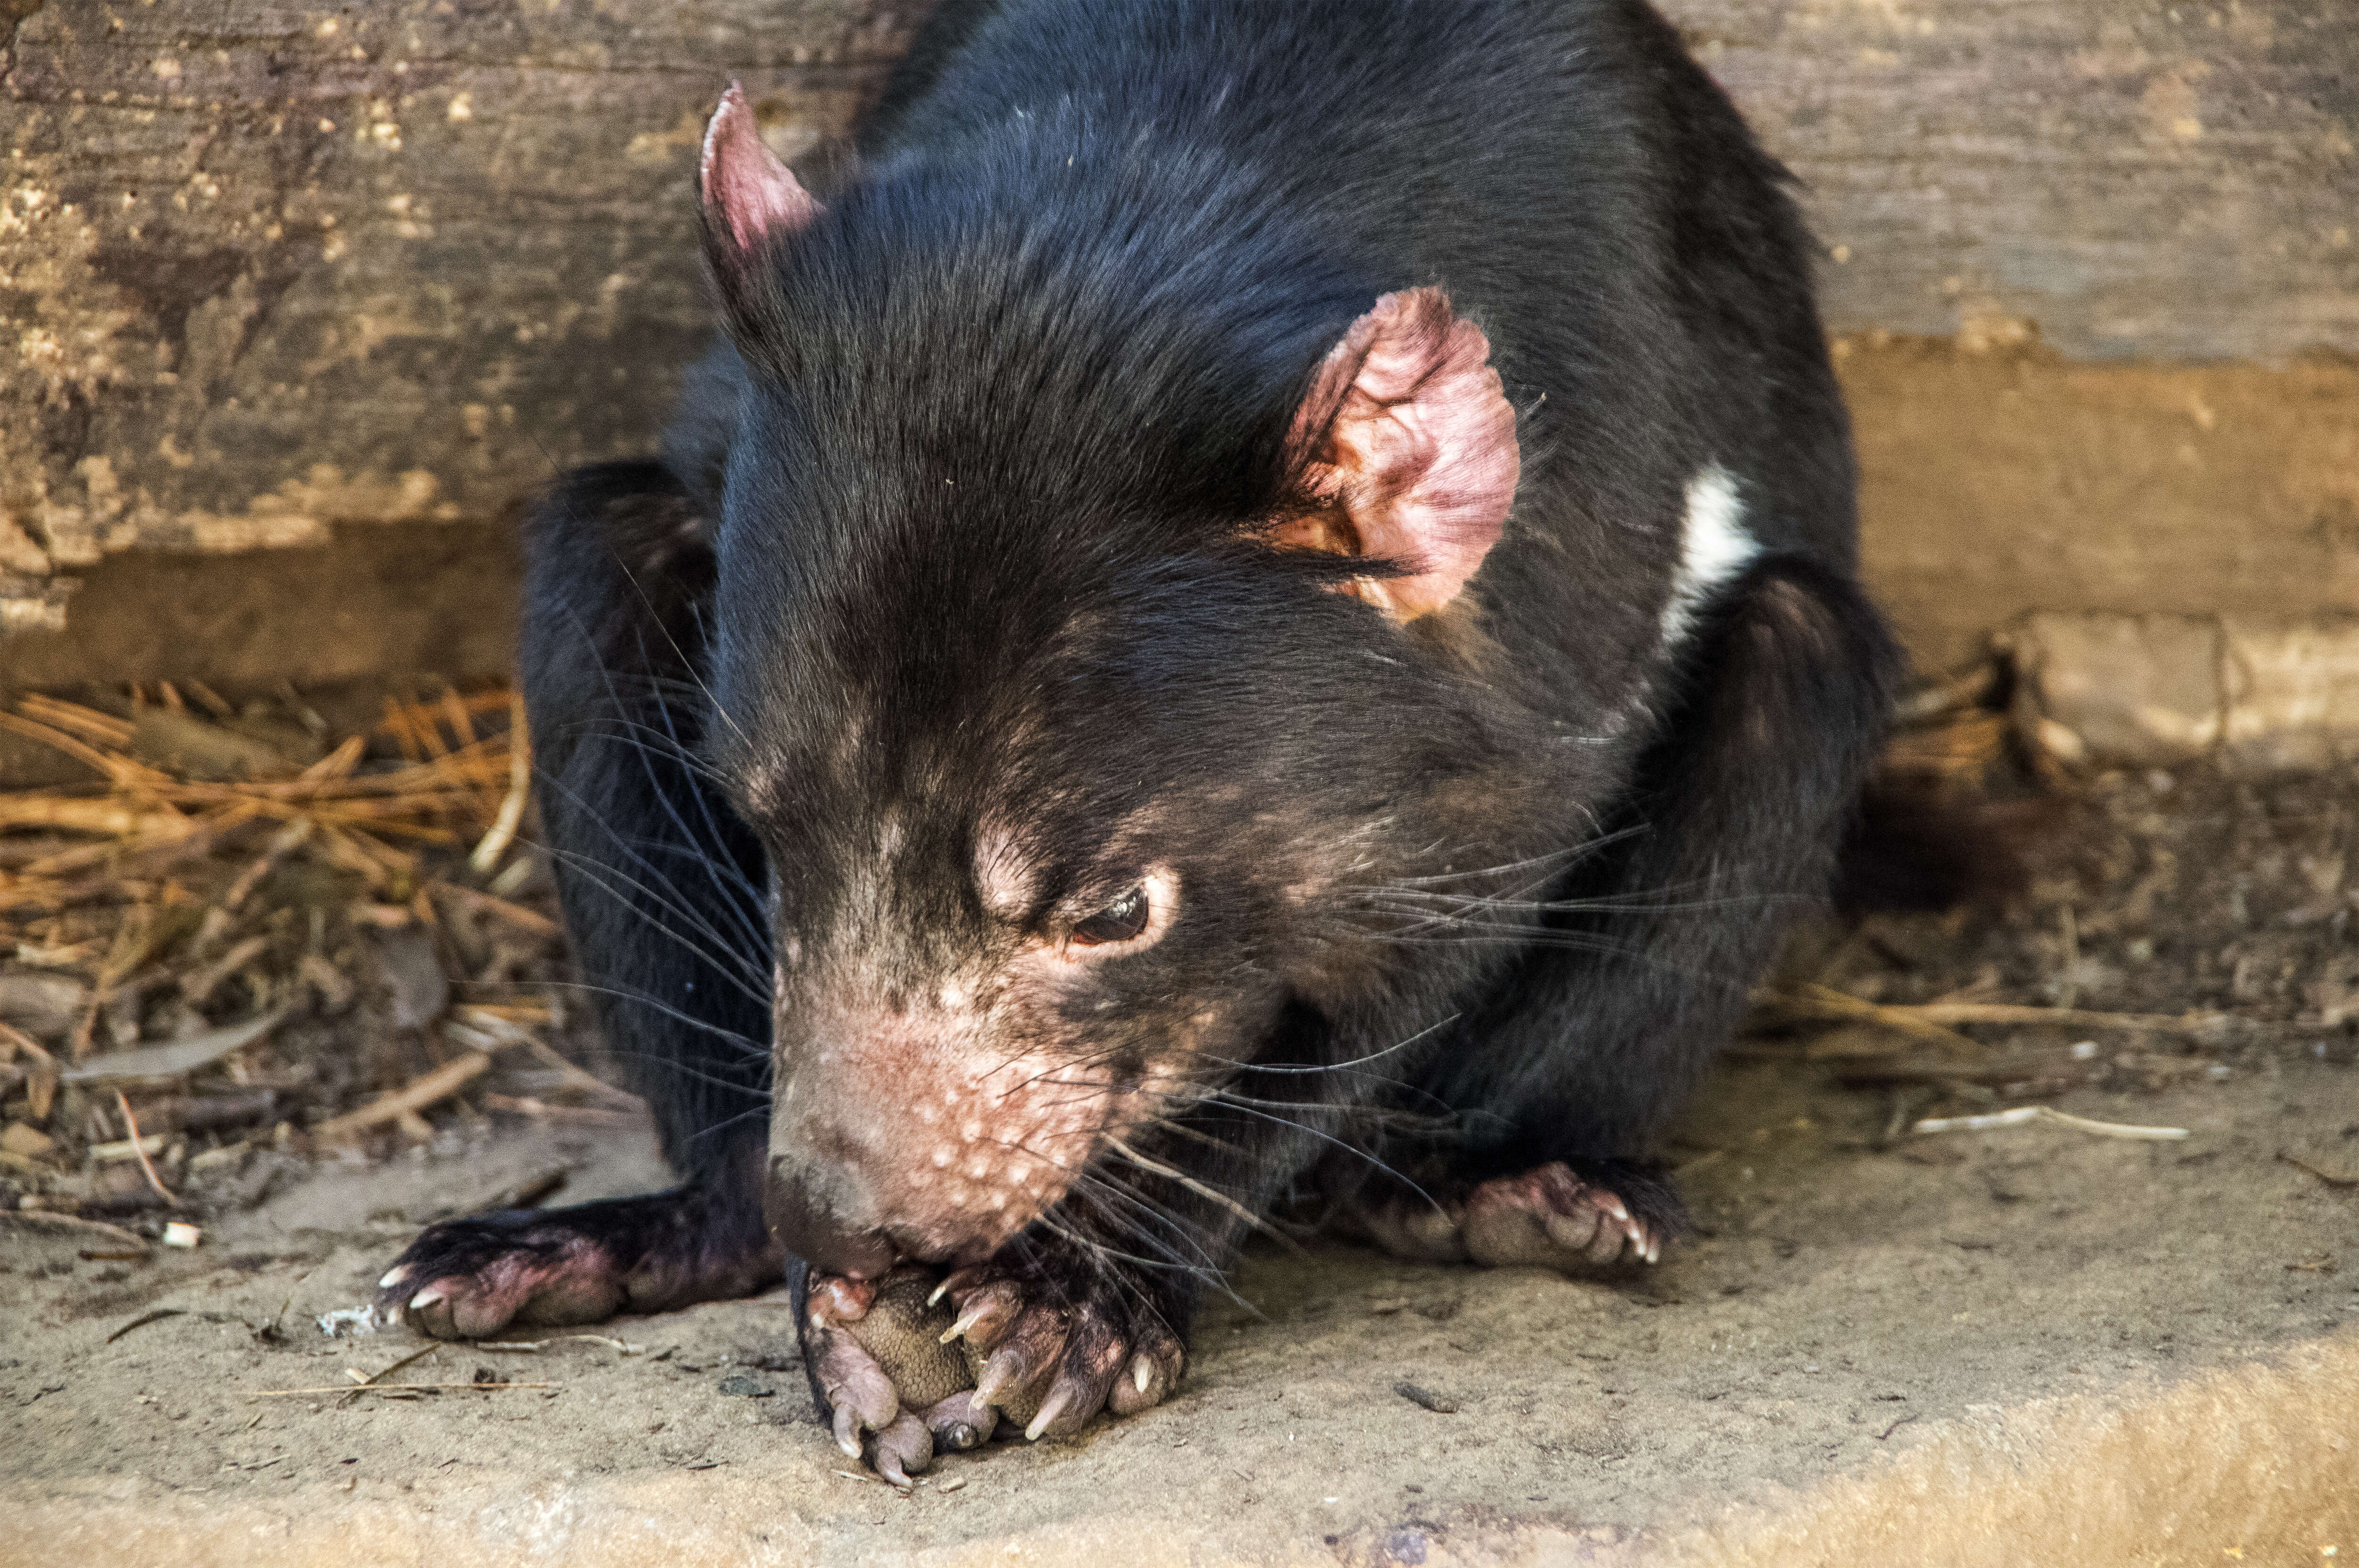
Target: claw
{"x": 979, "y": 1309}
{"x": 1142, "y": 1371}
{"x": 904, "y": 1448}
{"x": 939, "y": 1292}
{"x": 998, "y": 1375}
{"x": 847, "y": 1431}
{"x": 1050, "y": 1409}
{"x": 432, "y": 1295}
{"x": 393, "y": 1277}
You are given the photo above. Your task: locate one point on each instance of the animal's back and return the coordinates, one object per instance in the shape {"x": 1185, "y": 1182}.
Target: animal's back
{"x": 1579, "y": 186}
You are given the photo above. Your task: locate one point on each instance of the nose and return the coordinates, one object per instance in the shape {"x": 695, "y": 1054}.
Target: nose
{"x": 807, "y": 1215}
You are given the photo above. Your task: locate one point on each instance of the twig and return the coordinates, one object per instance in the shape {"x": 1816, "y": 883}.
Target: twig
{"x": 41, "y": 1083}
{"x": 389, "y": 1389}
{"x": 574, "y": 1115}
{"x": 141, "y": 1321}
{"x": 284, "y": 843}
{"x": 42, "y": 1219}
{"x": 1826, "y": 1002}
{"x": 504, "y": 826}
{"x": 1927, "y": 1019}
{"x": 374, "y": 1378}
{"x": 28, "y": 1045}
{"x": 198, "y": 987}
{"x": 2328, "y": 1178}
{"x": 516, "y": 914}
{"x": 131, "y": 1125}
{"x": 429, "y": 1089}
{"x": 2023, "y": 1115}
{"x": 2068, "y": 1017}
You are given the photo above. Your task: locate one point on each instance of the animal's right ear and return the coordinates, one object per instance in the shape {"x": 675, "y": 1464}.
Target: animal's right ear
{"x": 751, "y": 199}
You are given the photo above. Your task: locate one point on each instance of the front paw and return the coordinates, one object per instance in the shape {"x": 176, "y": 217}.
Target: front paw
{"x": 1548, "y": 1216}
{"x": 1052, "y": 1352}
{"x": 466, "y": 1278}
{"x": 911, "y": 1365}
{"x": 879, "y": 1351}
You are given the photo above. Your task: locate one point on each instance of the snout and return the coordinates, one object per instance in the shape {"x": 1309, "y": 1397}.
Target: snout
{"x": 945, "y": 1169}
{"x": 813, "y": 1216}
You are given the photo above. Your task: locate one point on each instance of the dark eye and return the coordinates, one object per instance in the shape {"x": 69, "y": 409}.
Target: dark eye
{"x": 1120, "y": 921}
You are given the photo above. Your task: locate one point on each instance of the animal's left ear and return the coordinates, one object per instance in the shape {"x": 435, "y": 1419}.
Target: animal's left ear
{"x": 1407, "y": 444}
{"x": 750, "y": 197}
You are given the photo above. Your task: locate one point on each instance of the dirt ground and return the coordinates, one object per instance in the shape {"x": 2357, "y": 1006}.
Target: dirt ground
{"x": 2035, "y": 1343}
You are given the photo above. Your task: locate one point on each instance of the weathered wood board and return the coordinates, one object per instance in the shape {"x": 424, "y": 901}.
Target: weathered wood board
{"x": 274, "y": 273}
{"x": 269, "y": 268}
{"x": 2168, "y": 181}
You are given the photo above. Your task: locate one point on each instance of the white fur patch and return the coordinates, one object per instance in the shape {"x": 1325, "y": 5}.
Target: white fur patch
{"x": 1713, "y": 549}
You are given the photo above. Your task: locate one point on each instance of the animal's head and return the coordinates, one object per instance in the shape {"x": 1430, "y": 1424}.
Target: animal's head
{"x": 1072, "y": 673}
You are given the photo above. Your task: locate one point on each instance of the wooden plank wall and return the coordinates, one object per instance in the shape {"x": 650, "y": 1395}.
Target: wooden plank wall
{"x": 338, "y": 283}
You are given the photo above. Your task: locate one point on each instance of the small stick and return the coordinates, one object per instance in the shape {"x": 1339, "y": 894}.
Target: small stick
{"x": 141, "y": 1321}
{"x": 428, "y": 1089}
{"x": 2328, "y": 1178}
{"x": 1825, "y": 1001}
{"x": 376, "y": 1376}
{"x": 101, "y": 727}
{"x": 455, "y": 711}
{"x": 286, "y": 842}
{"x": 131, "y": 1125}
{"x": 582, "y": 1078}
{"x": 573, "y": 1115}
{"x": 516, "y": 914}
{"x": 2023, "y": 1115}
{"x": 388, "y": 1388}
{"x": 198, "y": 987}
{"x": 2067, "y": 1017}
{"x": 212, "y": 699}
{"x": 494, "y": 843}
{"x": 28, "y": 1045}
{"x": 337, "y": 765}
{"x": 42, "y": 1219}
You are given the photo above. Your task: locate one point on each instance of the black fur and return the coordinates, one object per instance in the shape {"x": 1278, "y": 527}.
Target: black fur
{"x": 978, "y": 481}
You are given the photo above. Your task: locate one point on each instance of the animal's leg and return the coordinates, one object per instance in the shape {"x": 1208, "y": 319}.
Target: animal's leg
{"x": 1564, "y": 1079}
{"x": 661, "y": 889}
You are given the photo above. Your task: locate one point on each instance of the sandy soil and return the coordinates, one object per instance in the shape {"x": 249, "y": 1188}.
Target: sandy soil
{"x": 1864, "y": 1316}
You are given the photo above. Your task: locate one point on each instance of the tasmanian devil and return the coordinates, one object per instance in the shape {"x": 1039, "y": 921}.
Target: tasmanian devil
{"x": 1258, "y": 607}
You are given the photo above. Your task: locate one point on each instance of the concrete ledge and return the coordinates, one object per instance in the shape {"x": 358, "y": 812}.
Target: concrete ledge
{"x": 2257, "y": 1464}
{"x": 2153, "y": 690}
{"x": 2023, "y": 1347}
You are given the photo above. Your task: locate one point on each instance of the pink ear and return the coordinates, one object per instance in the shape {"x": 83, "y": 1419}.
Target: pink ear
{"x": 1409, "y": 439}
{"x": 748, "y": 192}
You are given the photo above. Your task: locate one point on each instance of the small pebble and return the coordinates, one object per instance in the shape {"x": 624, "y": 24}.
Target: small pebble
{"x": 952, "y": 1485}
